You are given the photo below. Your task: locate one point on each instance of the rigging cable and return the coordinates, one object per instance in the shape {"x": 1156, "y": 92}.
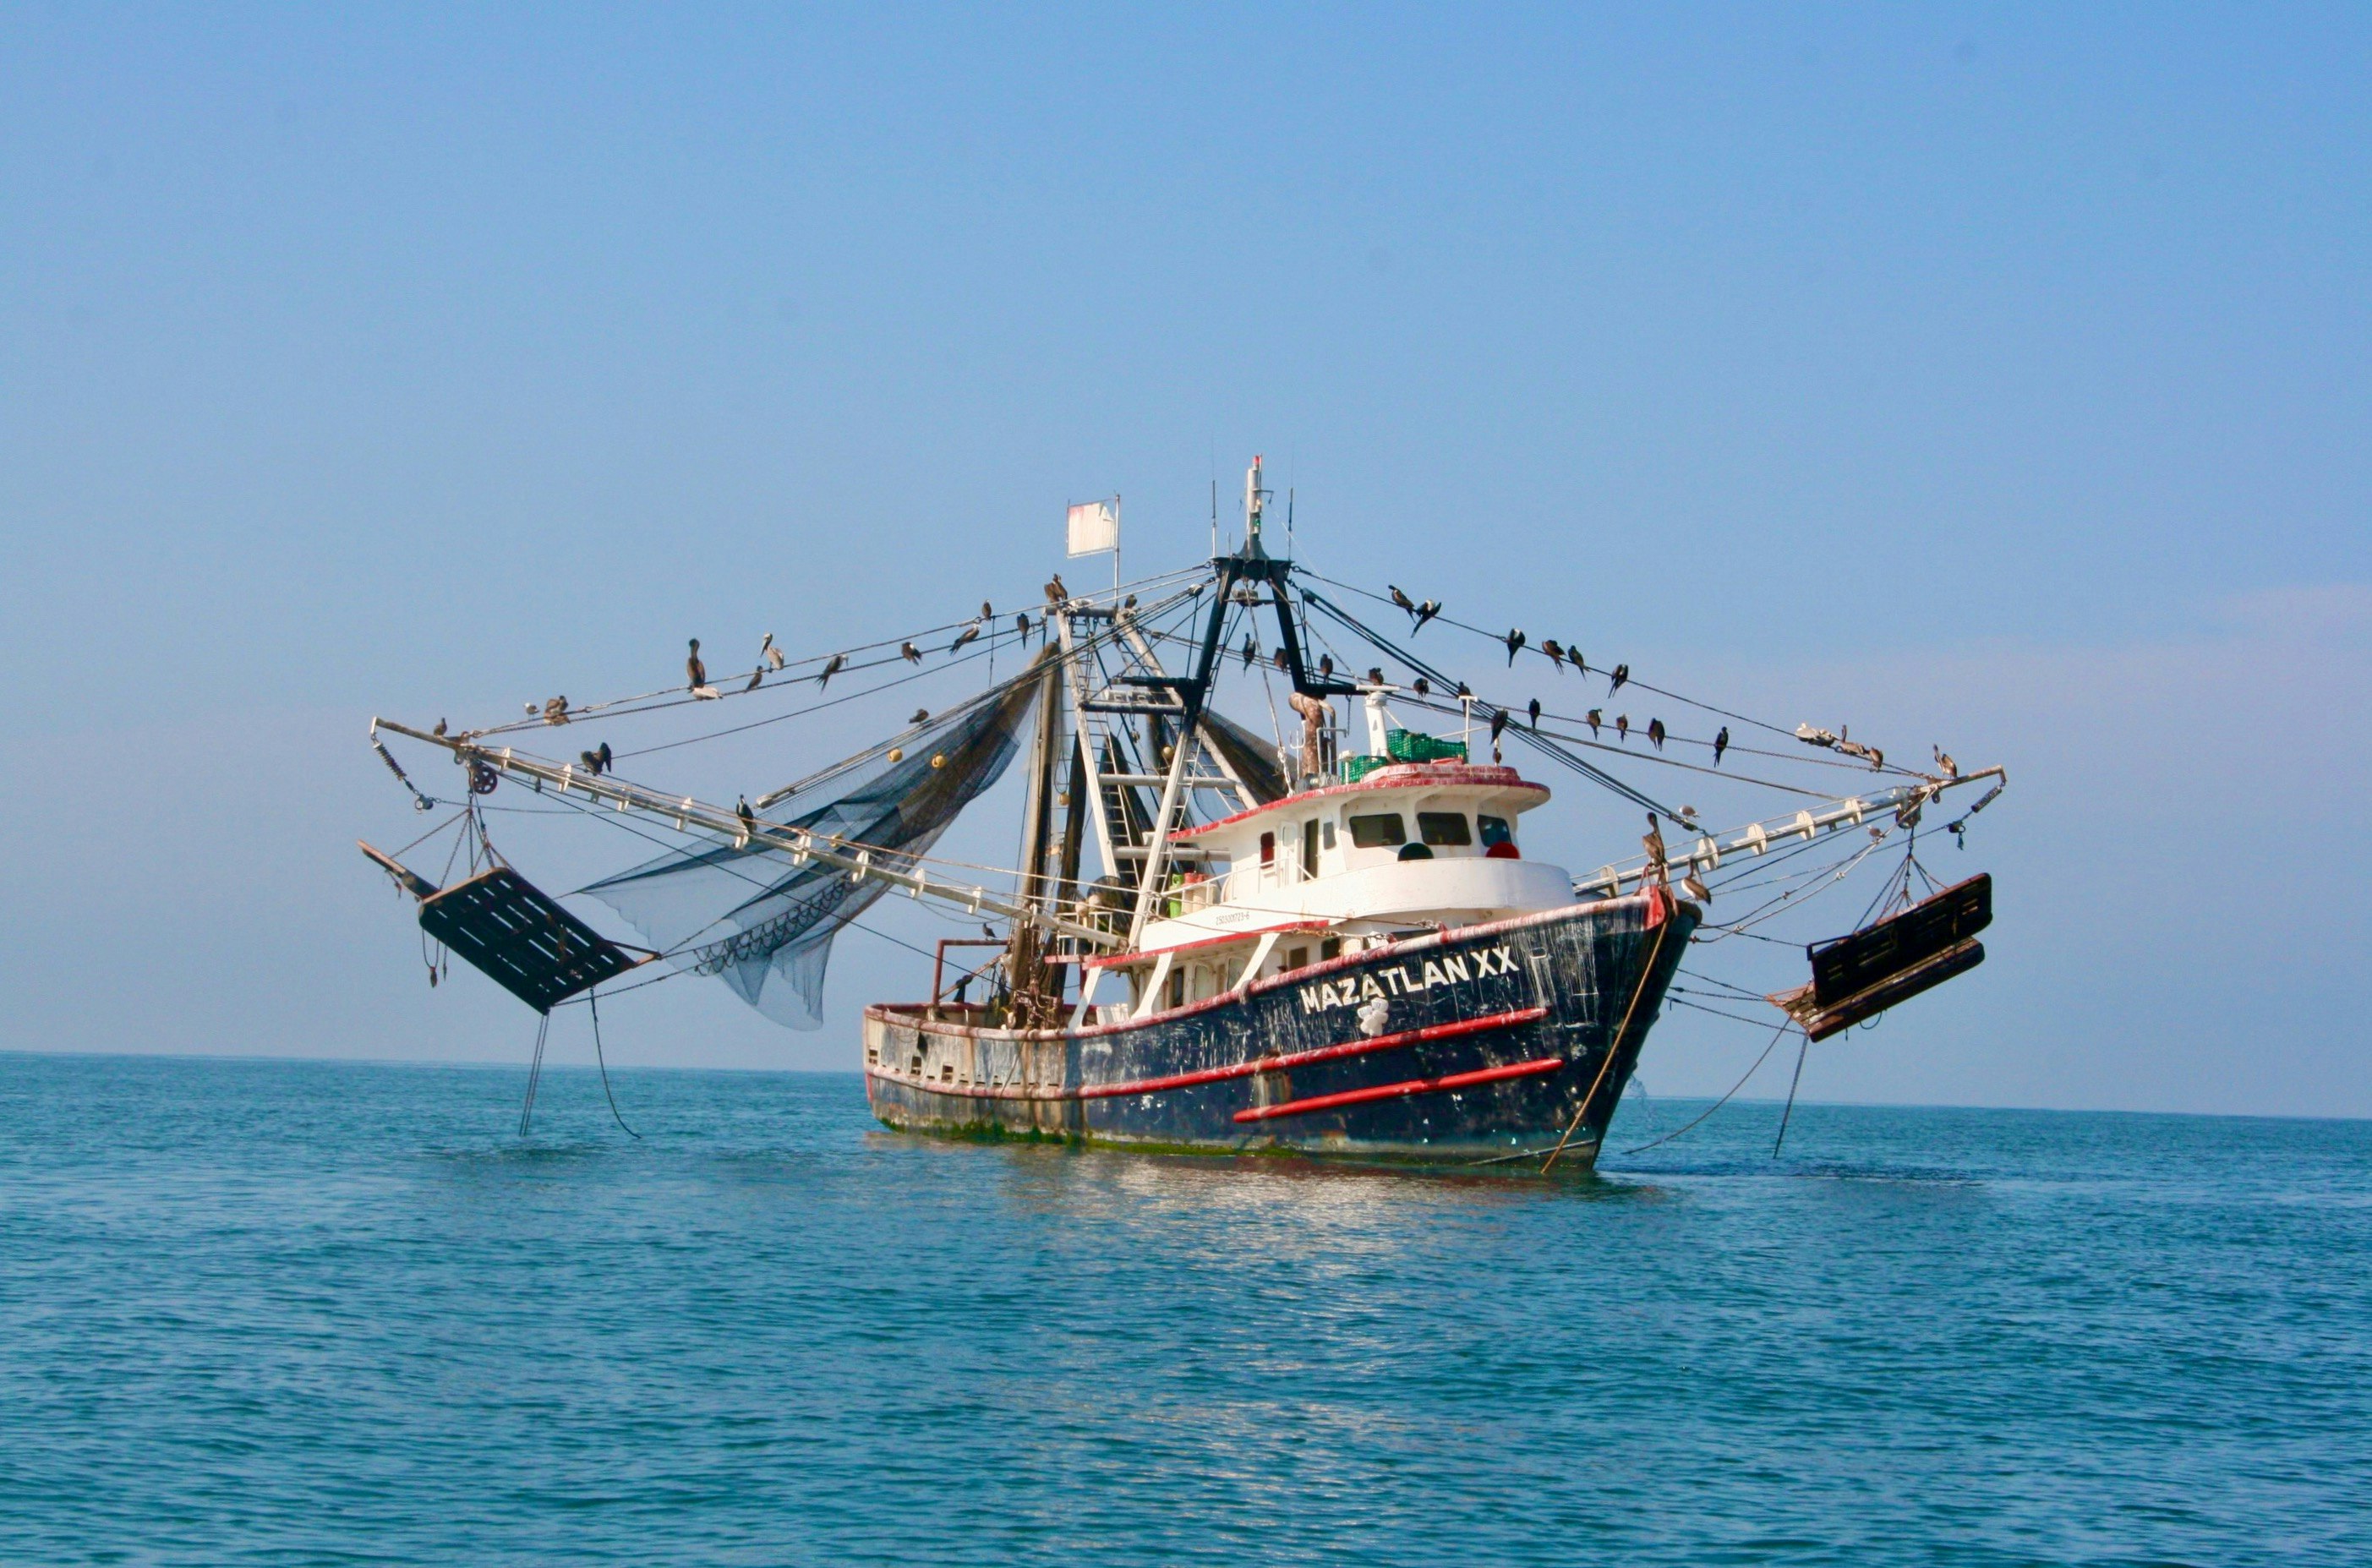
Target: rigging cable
{"x": 593, "y": 1001}
{"x": 1724, "y": 1101}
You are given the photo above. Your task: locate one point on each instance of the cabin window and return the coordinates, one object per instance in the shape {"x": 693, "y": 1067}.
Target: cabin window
{"x": 1178, "y": 987}
{"x": 1443, "y": 827}
{"x": 1309, "y": 849}
{"x": 1326, "y": 831}
{"x": 1331, "y": 947}
{"x": 1268, "y": 849}
{"x": 1296, "y": 959}
{"x": 1382, "y": 830}
{"x": 1495, "y": 831}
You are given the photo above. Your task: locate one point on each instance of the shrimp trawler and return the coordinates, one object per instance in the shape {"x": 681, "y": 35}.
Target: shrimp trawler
{"x": 1336, "y": 938}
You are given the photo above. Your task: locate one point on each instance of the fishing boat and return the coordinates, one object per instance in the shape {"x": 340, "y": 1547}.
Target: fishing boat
{"x": 1335, "y": 939}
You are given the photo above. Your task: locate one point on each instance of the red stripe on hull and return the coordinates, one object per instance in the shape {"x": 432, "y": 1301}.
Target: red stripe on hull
{"x": 1405, "y": 1088}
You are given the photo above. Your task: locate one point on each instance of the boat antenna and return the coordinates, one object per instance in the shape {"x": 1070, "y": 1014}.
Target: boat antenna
{"x": 1215, "y": 517}
{"x": 1288, "y": 522}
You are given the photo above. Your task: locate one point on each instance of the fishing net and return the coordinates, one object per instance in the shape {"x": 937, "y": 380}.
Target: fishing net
{"x": 764, "y": 925}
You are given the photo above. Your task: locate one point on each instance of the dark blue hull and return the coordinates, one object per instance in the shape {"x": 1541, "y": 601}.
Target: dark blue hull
{"x": 1480, "y": 1043}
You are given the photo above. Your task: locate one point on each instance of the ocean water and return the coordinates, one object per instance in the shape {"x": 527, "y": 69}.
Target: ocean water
{"x": 295, "y": 1313}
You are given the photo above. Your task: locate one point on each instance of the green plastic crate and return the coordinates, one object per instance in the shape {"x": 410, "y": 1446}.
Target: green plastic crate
{"x": 1353, "y": 768}
{"x": 1412, "y": 746}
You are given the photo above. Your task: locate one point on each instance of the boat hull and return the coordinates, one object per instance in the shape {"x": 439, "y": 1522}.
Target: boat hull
{"x": 1482, "y": 1043}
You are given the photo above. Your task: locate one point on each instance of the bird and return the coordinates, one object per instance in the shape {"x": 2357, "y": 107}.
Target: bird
{"x": 530, "y": 707}
{"x": 1621, "y": 674}
{"x": 1325, "y": 667}
{"x": 922, "y": 715}
{"x": 1251, "y": 650}
{"x": 986, "y": 613}
{"x": 1498, "y": 723}
{"x": 749, "y": 817}
{"x": 557, "y": 711}
{"x": 1055, "y": 592}
{"x": 1021, "y": 626}
{"x": 1943, "y": 757}
{"x": 1593, "y": 716}
{"x": 771, "y": 654}
{"x": 1424, "y": 612}
{"x": 1514, "y": 641}
{"x": 1656, "y": 733}
{"x": 1694, "y": 888}
{"x": 1280, "y": 658}
{"x": 1374, "y": 675}
{"x": 1424, "y": 687}
{"x": 910, "y": 653}
{"x": 1129, "y": 603}
{"x": 1402, "y": 600}
{"x": 1720, "y": 745}
{"x": 1464, "y": 692}
{"x": 1876, "y": 759}
{"x": 592, "y": 761}
{"x": 989, "y": 931}
{"x": 607, "y": 762}
{"x": 757, "y": 678}
{"x": 1536, "y": 712}
{"x": 440, "y": 727}
{"x": 966, "y": 635}
{"x": 694, "y": 669}
{"x": 1578, "y": 662}
{"x": 1653, "y": 840}
{"x": 1623, "y": 728}
{"x": 831, "y": 666}
{"x": 1555, "y": 650}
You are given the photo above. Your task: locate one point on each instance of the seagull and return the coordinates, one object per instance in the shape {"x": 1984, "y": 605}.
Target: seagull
{"x": 1720, "y": 745}
{"x": 1402, "y": 599}
{"x": 922, "y": 715}
{"x": 966, "y": 635}
{"x": 1514, "y": 641}
{"x": 1943, "y": 757}
{"x": 440, "y": 727}
{"x": 1621, "y": 674}
{"x": 831, "y": 668}
{"x": 1055, "y": 592}
{"x": 1656, "y": 733}
{"x": 1623, "y": 728}
{"x": 694, "y": 669}
{"x": 771, "y": 654}
{"x": 1424, "y": 612}
{"x": 910, "y": 653}
{"x": 1536, "y": 712}
{"x": 1594, "y": 715}
{"x": 1555, "y": 650}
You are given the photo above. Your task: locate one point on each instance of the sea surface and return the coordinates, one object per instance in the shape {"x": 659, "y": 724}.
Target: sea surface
{"x": 268, "y": 1312}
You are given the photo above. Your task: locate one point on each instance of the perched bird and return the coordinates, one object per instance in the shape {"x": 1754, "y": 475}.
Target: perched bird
{"x": 592, "y": 761}
{"x": 1695, "y": 888}
{"x": 966, "y": 635}
{"x": 1621, "y": 674}
{"x": 922, "y": 715}
{"x": 1555, "y": 650}
{"x": 831, "y": 666}
{"x": 1656, "y": 733}
{"x": 757, "y": 678}
{"x": 989, "y": 931}
{"x": 1464, "y": 692}
{"x": 1251, "y": 650}
{"x": 557, "y": 711}
{"x": 1402, "y": 599}
{"x": 1720, "y": 745}
{"x": 1653, "y": 840}
{"x": 749, "y": 817}
{"x": 440, "y": 727}
{"x": 1424, "y": 612}
{"x": 1280, "y": 658}
{"x": 1943, "y": 757}
{"x": 1593, "y": 716}
{"x": 1129, "y": 603}
{"x": 1536, "y": 712}
{"x": 1498, "y": 723}
{"x": 986, "y": 613}
{"x": 1623, "y": 728}
{"x": 604, "y": 754}
{"x": 1374, "y": 675}
{"x": 1325, "y": 667}
{"x": 1514, "y": 641}
{"x": 694, "y": 669}
{"x": 1021, "y": 626}
{"x": 910, "y": 653}
{"x": 1578, "y": 662}
{"x": 1424, "y": 687}
{"x": 771, "y": 654}
{"x": 530, "y": 707}
{"x": 1055, "y": 592}
{"x": 1876, "y": 759}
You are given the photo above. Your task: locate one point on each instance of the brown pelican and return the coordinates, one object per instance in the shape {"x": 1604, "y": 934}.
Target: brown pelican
{"x": 694, "y": 669}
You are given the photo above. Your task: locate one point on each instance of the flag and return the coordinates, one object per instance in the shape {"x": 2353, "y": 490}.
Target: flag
{"x": 1095, "y": 527}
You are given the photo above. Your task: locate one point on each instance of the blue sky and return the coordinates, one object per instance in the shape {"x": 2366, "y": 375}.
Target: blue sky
{"x": 1987, "y": 374}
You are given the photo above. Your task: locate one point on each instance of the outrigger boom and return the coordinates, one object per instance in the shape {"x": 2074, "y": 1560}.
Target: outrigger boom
{"x": 685, "y": 812}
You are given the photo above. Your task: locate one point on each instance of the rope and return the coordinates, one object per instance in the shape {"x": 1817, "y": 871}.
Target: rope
{"x": 534, "y": 1072}
{"x": 1724, "y": 1101}
{"x": 1614, "y": 1047}
{"x": 1803, "y": 1051}
{"x": 593, "y": 999}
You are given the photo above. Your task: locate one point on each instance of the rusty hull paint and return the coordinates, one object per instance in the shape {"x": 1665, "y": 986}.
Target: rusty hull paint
{"x": 1570, "y": 973}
